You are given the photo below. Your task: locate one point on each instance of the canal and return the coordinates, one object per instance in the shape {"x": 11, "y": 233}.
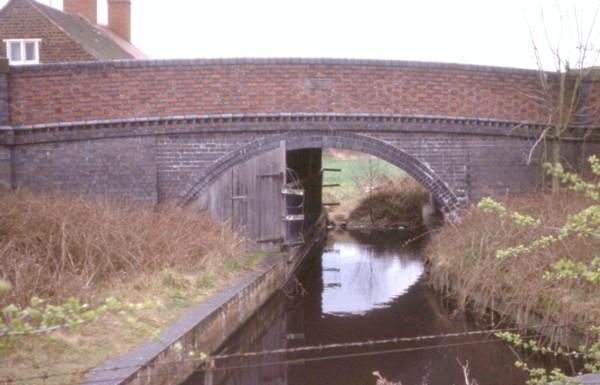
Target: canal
{"x": 363, "y": 287}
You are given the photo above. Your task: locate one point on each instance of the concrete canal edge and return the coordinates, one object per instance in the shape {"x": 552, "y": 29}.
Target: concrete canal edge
{"x": 205, "y": 327}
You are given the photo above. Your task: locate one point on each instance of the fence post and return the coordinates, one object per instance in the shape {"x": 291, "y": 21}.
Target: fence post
{"x": 209, "y": 374}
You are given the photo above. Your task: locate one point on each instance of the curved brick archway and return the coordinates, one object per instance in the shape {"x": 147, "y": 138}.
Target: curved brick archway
{"x": 143, "y": 129}
{"x": 441, "y": 193}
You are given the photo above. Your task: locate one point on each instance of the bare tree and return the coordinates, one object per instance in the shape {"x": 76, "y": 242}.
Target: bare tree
{"x": 561, "y": 89}
{"x": 466, "y": 374}
{"x": 370, "y": 178}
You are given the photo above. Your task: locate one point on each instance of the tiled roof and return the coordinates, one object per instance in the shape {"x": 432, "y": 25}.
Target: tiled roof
{"x": 98, "y": 43}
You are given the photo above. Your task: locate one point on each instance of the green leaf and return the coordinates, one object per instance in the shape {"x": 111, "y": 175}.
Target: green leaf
{"x": 5, "y": 286}
{"x": 10, "y": 310}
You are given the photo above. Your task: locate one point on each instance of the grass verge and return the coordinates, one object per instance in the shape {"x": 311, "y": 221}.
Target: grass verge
{"x": 55, "y": 247}
{"x": 359, "y": 174}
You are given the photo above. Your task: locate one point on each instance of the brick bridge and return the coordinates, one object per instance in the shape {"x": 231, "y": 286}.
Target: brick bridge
{"x": 155, "y": 131}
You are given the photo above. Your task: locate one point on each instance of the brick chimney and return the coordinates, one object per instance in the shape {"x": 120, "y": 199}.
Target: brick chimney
{"x": 86, "y": 8}
{"x": 119, "y": 18}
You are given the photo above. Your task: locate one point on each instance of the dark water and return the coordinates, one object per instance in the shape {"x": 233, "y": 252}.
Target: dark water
{"x": 363, "y": 287}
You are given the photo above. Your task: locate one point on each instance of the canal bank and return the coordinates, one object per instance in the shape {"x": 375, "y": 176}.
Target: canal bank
{"x": 362, "y": 288}
{"x": 562, "y": 336}
{"x": 522, "y": 259}
{"x": 176, "y": 352}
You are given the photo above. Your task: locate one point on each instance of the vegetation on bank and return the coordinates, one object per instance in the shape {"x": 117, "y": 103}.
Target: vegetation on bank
{"x": 536, "y": 254}
{"x": 467, "y": 255}
{"x": 359, "y": 174}
{"x": 397, "y": 203}
{"x": 371, "y": 191}
{"x": 140, "y": 266}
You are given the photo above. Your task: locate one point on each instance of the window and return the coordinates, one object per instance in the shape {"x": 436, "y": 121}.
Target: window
{"x": 23, "y": 51}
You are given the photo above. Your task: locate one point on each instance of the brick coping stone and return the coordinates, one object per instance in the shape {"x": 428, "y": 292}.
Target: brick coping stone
{"x": 271, "y": 61}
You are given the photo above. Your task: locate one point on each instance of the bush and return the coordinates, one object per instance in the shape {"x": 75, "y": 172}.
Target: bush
{"x": 57, "y": 246}
{"x": 396, "y": 203}
{"x": 472, "y": 256}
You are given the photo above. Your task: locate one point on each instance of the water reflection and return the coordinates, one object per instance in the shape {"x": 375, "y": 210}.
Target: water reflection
{"x": 366, "y": 287}
{"x": 358, "y": 278}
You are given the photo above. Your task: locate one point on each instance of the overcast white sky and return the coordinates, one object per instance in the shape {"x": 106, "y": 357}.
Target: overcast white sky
{"x": 460, "y": 31}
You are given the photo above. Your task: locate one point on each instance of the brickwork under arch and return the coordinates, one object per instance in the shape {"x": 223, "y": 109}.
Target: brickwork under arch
{"x": 144, "y": 130}
{"x": 441, "y": 193}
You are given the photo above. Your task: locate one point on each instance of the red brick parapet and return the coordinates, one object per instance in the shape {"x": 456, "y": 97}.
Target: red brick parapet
{"x": 89, "y": 91}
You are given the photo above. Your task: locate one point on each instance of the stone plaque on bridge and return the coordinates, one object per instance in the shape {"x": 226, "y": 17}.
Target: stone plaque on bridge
{"x": 312, "y": 84}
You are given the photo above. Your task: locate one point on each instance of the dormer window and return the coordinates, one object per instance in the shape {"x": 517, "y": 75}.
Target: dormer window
{"x": 23, "y": 51}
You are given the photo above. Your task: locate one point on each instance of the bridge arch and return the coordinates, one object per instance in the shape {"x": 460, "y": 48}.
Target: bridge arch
{"x": 442, "y": 195}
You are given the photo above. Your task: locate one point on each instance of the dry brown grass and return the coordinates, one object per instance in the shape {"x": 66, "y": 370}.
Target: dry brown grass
{"x": 55, "y": 246}
{"x": 398, "y": 202}
{"x": 465, "y": 255}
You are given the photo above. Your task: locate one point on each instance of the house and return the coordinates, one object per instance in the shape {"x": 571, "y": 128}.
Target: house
{"x": 32, "y": 33}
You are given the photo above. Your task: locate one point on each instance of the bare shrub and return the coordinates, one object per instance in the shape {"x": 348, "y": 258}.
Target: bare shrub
{"x": 465, "y": 256}
{"x": 396, "y": 202}
{"x": 55, "y": 246}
